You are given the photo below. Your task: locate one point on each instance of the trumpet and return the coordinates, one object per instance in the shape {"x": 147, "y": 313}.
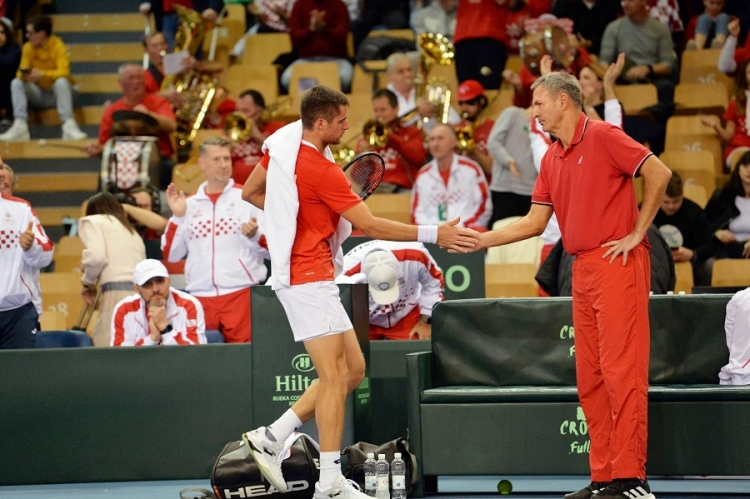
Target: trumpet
{"x": 376, "y": 133}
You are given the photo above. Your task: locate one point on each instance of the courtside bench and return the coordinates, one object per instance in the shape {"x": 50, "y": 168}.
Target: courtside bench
{"x": 496, "y": 394}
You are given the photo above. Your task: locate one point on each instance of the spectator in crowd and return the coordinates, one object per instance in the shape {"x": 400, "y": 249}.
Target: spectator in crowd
{"x": 647, "y": 44}
{"x": 10, "y": 58}
{"x": 711, "y": 26}
{"x": 272, "y": 17}
{"x": 157, "y": 314}
{"x": 25, "y": 250}
{"x": 590, "y": 18}
{"x": 403, "y": 150}
{"x": 450, "y": 186}
{"x": 221, "y": 237}
{"x": 44, "y": 81}
{"x": 737, "y": 329}
{"x": 731, "y": 56}
{"x": 113, "y": 249}
{"x": 598, "y": 90}
{"x": 380, "y": 14}
{"x": 667, "y": 12}
{"x": 319, "y": 30}
{"x": 684, "y": 226}
{"x": 735, "y": 133}
{"x": 135, "y": 98}
{"x": 472, "y": 103}
{"x": 167, "y": 20}
{"x": 405, "y": 283}
{"x": 247, "y": 153}
{"x": 401, "y": 81}
{"x": 143, "y": 210}
{"x": 437, "y": 17}
{"x": 481, "y": 42}
{"x": 9, "y": 180}
{"x": 728, "y": 212}
{"x": 513, "y": 171}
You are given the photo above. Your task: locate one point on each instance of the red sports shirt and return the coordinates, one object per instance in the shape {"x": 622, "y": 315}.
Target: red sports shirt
{"x": 590, "y": 184}
{"x": 324, "y": 193}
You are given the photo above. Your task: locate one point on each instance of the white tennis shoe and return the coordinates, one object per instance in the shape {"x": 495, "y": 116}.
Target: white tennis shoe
{"x": 268, "y": 455}
{"x": 341, "y": 488}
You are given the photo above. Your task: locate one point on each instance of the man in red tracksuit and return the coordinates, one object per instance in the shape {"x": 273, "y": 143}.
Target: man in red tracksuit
{"x": 586, "y": 177}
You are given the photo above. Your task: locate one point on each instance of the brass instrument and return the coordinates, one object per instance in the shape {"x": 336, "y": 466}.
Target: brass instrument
{"x": 237, "y": 127}
{"x": 376, "y": 133}
{"x": 198, "y": 91}
{"x": 434, "y": 49}
{"x": 465, "y": 136}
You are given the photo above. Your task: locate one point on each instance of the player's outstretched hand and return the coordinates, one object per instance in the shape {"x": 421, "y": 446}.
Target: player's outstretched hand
{"x": 458, "y": 239}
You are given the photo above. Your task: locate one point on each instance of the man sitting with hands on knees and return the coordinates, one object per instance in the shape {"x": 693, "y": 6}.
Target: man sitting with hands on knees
{"x": 158, "y": 314}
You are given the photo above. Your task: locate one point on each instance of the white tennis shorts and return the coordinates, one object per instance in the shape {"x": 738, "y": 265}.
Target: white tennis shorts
{"x": 314, "y": 309}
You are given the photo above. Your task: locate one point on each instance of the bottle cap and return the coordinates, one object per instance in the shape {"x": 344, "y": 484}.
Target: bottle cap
{"x": 381, "y": 456}
{"x": 397, "y": 455}
{"x": 370, "y": 455}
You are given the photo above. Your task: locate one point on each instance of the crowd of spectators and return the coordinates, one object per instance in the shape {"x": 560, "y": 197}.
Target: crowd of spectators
{"x": 220, "y": 237}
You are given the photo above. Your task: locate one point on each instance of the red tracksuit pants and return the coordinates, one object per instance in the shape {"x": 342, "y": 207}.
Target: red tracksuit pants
{"x": 612, "y": 342}
{"x": 229, "y": 314}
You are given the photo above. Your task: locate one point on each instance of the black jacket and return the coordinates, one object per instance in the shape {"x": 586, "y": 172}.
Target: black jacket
{"x": 556, "y": 278}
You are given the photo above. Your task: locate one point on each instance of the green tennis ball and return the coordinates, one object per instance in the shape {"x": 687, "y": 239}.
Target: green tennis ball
{"x": 504, "y": 487}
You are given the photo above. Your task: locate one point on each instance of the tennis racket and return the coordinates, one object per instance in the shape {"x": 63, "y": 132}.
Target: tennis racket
{"x": 365, "y": 172}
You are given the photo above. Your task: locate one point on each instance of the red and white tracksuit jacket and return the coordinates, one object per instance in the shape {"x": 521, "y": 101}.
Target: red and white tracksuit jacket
{"x": 184, "y": 313}
{"x": 19, "y": 269}
{"x": 220, "y": 259}
{"x": 465, "y": 196}
{"x": 420, "y": 280}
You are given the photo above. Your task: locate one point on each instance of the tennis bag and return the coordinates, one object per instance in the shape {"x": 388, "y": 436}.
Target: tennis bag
{"x": 354, "y": 460}
{"x": 235, "y": 474}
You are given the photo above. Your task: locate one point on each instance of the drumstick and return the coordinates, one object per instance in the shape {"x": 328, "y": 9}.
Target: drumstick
{"x": 43, "y": 143}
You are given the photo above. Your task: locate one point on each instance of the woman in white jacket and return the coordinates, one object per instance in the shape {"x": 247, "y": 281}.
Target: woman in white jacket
{"x": 113, "y": 249}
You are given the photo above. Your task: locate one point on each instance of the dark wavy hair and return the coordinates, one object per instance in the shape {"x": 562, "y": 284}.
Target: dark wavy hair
{"x": 734, "y": 184}
{"x": 104, "y": 203}
{"x": 9, "y": 39}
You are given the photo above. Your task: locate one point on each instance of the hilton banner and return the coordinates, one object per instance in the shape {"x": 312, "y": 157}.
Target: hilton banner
{"x": 282, "y": 370}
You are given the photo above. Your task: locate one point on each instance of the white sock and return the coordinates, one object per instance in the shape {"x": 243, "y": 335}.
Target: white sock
{"x": 330, "y": 468}
{"x": 285, "y": 425}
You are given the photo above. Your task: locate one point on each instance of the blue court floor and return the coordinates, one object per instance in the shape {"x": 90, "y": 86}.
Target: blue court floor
{"x": 452, "y": 487}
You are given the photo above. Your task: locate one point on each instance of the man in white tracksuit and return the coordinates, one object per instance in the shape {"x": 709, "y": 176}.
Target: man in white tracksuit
{"x": 221, "y": 236}
{"x": 405, "y": 283}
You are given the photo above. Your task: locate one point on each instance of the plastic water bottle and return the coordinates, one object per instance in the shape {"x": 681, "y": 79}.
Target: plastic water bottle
{"x": 382, "y": 471}
{"x": 398, "y": 477}
{"x": 371, "y": 479}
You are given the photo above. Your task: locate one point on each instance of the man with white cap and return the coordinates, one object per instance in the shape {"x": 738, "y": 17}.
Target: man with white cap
{"x": 405, "y": 283}
{"x": 158, "y": 314}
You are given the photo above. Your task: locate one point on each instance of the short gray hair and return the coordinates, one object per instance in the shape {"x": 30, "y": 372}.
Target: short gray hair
{"x": 558, "y": 82}
{"x": 213, "y": 141}
{"x": 125, "y": 66}
{"x": 395, "y": 58}
{"x": 6, "y": 166}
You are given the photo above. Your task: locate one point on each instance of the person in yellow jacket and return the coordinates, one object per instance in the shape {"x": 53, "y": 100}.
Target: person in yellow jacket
{"x": 43, "y": 80}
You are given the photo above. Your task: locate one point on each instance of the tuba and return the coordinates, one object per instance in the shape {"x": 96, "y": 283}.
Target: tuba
{"x": 198, "y": 91}
{"x": 551, "y": 40}
{"x": 434, "y": 49}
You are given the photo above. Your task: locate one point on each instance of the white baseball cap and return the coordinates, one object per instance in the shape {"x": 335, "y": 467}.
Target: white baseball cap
{"x": 381, "y": 269}
{"x": 148, "y": 269}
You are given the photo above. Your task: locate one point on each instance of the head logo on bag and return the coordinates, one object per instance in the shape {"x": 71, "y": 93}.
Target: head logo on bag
{"x": 264, "y": 490}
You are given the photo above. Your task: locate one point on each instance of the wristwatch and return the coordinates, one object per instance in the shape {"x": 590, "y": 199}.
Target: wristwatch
{"x": 166, "y": 330}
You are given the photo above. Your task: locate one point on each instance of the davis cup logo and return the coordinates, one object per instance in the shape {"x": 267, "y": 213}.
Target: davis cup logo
{"x": 302, "y": 363}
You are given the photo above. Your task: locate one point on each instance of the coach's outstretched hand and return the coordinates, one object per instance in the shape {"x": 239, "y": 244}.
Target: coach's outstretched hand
{"x": 458, "y": 239}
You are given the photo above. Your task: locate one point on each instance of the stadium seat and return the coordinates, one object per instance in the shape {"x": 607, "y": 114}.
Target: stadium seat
{"x": 67, "y": 255}
{"x": 701, "y": 66}
{"x": 391, "y": 206}
{"x": 261, "y": 77}
{"x": 313, "y": 73}
{"x": 52, "y": 320}
{"x": 406, "y": 34}
{"x": 731, "y": 272}
{"x": 62, "y": 339}
{"x": 697, "y": 98}
{"x": 684, "y": 273}
{"x": 527, "y": 251}
{"x": 265, "y": 48}
{"x": 696, "y": 167}
{"x": 636, "y": 98}
{"x": 61, "y": 291}
{"x": 214, "y": 336}
{"x": 687, "y": 133}
{"x": 510, "y": 280}
{"x": 695, "y": 193}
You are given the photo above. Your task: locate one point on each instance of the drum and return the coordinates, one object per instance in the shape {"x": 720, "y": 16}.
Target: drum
{"x": 129, "y": 162}
{"x": 551, "y": 40}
